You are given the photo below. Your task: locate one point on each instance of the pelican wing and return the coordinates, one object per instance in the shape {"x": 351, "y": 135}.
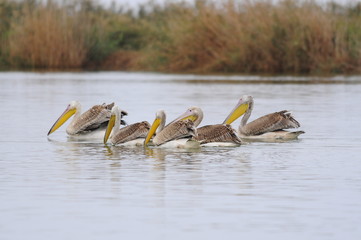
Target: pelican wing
{"x": 217, "y": 133}
{"x": 96, "y": 117}
{"x": 269, "y": 123}
{"x": 175, "y": 130}
{"x": 131, "y": 132}
{"x": 110, "y": 106}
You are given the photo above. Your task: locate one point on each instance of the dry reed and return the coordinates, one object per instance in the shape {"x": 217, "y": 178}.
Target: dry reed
{"x": 47, "y": 37}
{"x": 289, "y": 36}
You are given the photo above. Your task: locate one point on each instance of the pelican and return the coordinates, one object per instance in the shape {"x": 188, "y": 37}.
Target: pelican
{"x": 175, "y": 134}
{"x": 211, "y": 135}
{"x": 131, "y": 135}
{"x": 88, "y": 125}
{"x": 268, "y": 127}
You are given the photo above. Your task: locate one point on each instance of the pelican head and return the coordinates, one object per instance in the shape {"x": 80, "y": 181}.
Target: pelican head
{"x": 244, "y": 104}
{"x": 195, "y": 114}
{"x": 72, "y": 108}
{"x": 115, "y": 115}
{"x": 157, "y": 125}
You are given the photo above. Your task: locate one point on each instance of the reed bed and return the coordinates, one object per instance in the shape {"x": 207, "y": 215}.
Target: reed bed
{"x": 289, "y": 36}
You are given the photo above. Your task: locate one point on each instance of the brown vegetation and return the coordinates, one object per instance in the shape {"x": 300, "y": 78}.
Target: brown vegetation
{"x": 251, "y": 36}
{"x": 46, "y": 37}
{"x": 288, "y": 37}
{"x": 121, "y": 60}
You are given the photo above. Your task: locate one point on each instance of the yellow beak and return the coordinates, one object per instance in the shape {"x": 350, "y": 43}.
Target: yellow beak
{"x": 152, "y": 130}
{"x": 238, "y": 111}
{"x": 191, "y": 117}
{"x": 110, "y": 126}
{"x": 183, "y": 117}
{"x": 62, "y": 119}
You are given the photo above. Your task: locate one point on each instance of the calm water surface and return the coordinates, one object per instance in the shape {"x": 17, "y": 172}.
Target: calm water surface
{"x": 57, "y": 189}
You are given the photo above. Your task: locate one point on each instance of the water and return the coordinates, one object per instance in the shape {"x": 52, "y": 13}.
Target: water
{"x": 56, "y": 189}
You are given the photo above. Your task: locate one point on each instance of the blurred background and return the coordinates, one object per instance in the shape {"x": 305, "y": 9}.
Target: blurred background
{"x": 201, "y": 36}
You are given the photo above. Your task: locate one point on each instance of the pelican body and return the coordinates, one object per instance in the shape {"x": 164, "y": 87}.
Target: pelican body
{"x": 211, "y": 135}
{"x": 267, "y": 127}
{"x": 176, "y": 134}
{"x": 220, "y": 135}
{"x": 88, "y": 125}
{"x": 131, "y": 135}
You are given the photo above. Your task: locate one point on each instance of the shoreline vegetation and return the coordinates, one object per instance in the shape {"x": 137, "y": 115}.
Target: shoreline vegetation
{"x": 287, "y": 37}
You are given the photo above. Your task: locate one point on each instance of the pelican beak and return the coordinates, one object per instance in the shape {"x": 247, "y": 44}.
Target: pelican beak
{"x": 110, "y": 126}
{"x": 238, "y": 111}
{"x": 185, "y": 116}
{"x": 190, "y": 117}
{"x": 152, "y": 130}
{"x": 62, "y": 119}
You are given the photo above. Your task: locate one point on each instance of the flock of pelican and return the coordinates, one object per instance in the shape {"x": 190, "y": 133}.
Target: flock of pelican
{"x": 104, "y": 122}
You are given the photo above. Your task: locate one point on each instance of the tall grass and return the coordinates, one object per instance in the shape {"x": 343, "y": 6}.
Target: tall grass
{"x": 47, "y": 37}
{"x": 289, "y": 36}
{"x": 62, "y": 36}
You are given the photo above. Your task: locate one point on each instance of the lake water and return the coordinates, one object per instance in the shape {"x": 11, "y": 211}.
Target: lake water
{"x": 57, "y": 189}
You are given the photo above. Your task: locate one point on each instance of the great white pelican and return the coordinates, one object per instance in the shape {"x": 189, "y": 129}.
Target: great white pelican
{"x": 88, "y": 125}
{"x": 131, "y": 135}
{"x": 268, "y": 127}
{"x": 211, "y": 135}
{"x": 176, "y": 134}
